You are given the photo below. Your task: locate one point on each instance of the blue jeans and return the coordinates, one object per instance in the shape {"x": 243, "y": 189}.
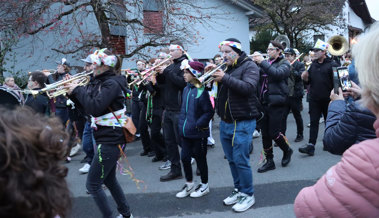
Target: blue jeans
{"x": 236, "y": 139}
{"x": 88, "y": 141}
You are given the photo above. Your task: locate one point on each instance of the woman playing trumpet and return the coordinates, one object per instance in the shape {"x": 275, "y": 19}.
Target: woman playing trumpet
{"x": 101, "y": 97}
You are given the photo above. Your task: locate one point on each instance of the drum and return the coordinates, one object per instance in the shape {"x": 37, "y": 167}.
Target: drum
{"x": 9, "y": 98}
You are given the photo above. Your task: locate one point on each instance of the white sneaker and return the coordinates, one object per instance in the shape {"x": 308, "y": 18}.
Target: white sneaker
{"x": 192, "y": 160}
{"x": 245, "y": 202}
{"x": 75, "y": 150}
{"x": 166, "y": 165}
{"x": 232, "y": 199}
{"x": 187, "y": 189}
{"x": 256, "y": 134}
{"x": 85, "y": 168}
{"x": 121, "y": 216}
{"x": 201, "y": 190}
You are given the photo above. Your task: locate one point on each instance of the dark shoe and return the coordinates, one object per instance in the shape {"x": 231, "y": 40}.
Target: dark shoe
{"x": 308, "y": 149}
{"x": 156, "y": 159}
{"x": 210, "y": 145}
{"x": 197, "y": 172}
{"x": 151, "y": 154}
{"x": 144, "y": 153}
{"x": 171, "y": 176}
{"x": 269, "y": 165}
{"x": 299, "y": 138}
{"x": 287, "y": 157}
{"x": 276, "y": 145}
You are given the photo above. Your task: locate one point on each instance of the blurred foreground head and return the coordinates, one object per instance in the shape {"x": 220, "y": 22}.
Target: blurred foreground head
{"x": 32, "y": 177}
{"x": 366, "y": 55}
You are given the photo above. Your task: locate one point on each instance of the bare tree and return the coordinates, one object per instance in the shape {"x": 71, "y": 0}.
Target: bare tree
{"x": 294, "y": 18}
{"x": 126, "y": 19}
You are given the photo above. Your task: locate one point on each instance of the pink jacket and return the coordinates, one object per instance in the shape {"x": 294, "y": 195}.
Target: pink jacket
{"x": 348, "y": 189}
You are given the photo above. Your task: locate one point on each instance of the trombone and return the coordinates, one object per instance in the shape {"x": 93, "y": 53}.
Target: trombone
{"x": 206, "y": 78}
{"x": 146, "y": 73}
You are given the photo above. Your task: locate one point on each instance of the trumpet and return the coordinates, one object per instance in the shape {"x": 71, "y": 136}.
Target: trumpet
{"x": 146, "y": 73}
{"x": 206, "y": 78}
{"x": 56, "y": 89}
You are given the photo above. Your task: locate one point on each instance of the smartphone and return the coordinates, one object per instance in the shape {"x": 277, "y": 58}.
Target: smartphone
{"x": 343, "y": 75}
{"x": 336, "y": 80}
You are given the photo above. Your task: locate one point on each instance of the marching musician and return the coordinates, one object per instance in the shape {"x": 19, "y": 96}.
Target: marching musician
{"x": 40, "y": 102}
{"x": 59, "y": 105}
{"x": 274, "y": 97}
{"x": 143, "y": 125}
{"x": 172, "y": 77}
{"x": 236, "y": 106}
{"x": 196, "y": 112}
{"x": 153, "y": 114}
{"x": 295, "y": 93}
{"x": 104, "y": 100}
{"x": 320, "y": 79}
{"x": 136, "y": 103}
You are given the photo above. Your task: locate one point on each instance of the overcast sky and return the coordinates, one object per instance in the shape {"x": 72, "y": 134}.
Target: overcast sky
{"x": 373, "y": 7}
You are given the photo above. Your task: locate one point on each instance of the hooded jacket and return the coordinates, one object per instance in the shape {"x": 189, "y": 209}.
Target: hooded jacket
{"x": 237, "y": 91}
{"x": 105, "y": 90}
{"x": 195, "y": 114}
{"x": 349, "y": 188}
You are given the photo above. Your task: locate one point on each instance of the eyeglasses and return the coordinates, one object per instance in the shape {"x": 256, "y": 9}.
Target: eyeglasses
{"x": 317, "y": 50}
{"x": 271, "y": 49}
{"x": 288, "y": 55}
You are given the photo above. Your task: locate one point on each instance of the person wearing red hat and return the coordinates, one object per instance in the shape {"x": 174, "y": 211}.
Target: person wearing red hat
{"x": 196, "y": 112}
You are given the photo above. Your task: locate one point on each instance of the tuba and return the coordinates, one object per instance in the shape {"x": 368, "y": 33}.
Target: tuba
{"x": 284, "y": 40}
{"x": 338, "y": 45}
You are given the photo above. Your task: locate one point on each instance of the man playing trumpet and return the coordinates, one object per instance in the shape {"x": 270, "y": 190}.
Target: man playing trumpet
{"x": 236, "y": 105}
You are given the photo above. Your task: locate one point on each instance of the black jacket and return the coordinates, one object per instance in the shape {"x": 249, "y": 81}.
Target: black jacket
{"x": 347, "y": 125}
{"x": 295, "y": 83}
{"x": 320, "y": 79}
{"x": 106, "y": 90}
{"x": 39, "y": 103}
{"x": 156, "y": 93}
{"x": 237, "y": 92}
{"x": 195, "y": 114}
{"x": 273, "y": 82}
{"x": 174, "y": 84}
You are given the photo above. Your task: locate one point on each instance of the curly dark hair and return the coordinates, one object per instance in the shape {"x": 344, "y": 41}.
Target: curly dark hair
{"x": 32, "y": 177}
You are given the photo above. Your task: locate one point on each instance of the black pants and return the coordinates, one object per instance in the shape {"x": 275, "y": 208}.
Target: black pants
{"x": 172, "y": 139}
{"x": 144, "y": 130}
{"x": 196, "y": 148}
{"x": 157, "y": 142}
{"x": 271, "y": 129}
{"x": 103, "y": 170}
{"x": 136, "y": 111}
{"x": 316, "y": 108}
{"x": 294, "y": 105}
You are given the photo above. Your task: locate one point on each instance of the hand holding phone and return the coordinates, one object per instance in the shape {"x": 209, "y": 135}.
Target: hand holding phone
{"x": 343, "y": 75}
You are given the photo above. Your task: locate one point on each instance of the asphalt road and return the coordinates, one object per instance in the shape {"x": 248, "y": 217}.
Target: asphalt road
{"x": 275, "y": 191}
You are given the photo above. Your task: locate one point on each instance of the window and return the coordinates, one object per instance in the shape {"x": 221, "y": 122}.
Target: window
{"x": 153, "y": 16}
{"x": 320, "y": 37}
